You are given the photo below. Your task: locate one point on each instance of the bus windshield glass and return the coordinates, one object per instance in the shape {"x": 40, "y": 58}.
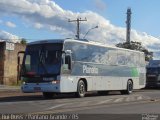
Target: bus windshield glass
{"x": 42, "y": 59}
{"x": 153, "y": 70}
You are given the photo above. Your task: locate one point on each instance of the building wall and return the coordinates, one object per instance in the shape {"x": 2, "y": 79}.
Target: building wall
{"x": 2, "y": 45}
{"x": 11, "y": 64}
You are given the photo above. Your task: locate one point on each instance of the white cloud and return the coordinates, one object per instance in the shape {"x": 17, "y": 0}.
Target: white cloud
{"x": 10, "y": 24}
{"x": 5, "y": 36}
{"x": 46, "y": 14}
{"x": 38, "y": 25}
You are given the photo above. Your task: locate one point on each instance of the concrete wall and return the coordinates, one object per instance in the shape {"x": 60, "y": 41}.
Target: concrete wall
{"x": 10, "y": 64}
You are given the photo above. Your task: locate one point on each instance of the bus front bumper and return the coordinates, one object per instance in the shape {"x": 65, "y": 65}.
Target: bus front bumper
{"x": 40, "y": 87}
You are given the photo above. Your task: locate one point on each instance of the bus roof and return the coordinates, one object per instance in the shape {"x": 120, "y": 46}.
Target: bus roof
{"x": 79, "y": 41}
{"x": 100, "y": 44}
{"x": 47, "y": 41}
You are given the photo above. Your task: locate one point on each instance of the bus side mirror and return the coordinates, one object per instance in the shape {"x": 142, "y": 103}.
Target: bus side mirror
{"x": 68, "y": 52}
{"x": 18, "y": 61}
{"x": 68, "y": 61}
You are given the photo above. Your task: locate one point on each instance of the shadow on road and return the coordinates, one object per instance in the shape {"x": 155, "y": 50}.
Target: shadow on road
{"x": 39, "y": 97}
{"x": 151, "y": 89}
{"x": 21, "y": 98}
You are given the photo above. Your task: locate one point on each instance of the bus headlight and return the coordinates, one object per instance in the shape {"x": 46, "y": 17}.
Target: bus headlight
{"x": 24, "y": 83}
{"x": 56, "y": 82}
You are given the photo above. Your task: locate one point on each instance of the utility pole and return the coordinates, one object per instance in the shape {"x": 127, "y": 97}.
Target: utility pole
{"x": 78, "y": 25}
{"x": 128, "y": 25}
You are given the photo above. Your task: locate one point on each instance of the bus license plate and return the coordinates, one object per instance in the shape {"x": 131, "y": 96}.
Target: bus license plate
{"x": 37, "y": 89}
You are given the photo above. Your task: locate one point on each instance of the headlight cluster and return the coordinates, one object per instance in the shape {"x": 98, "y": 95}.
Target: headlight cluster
{"x": 24, "y": 83}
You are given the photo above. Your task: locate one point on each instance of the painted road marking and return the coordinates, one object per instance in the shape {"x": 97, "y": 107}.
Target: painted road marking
{"x": 118, "y": 100}
{"x": 104, "y": 101}
{"x": 56, "y": 106}
{"x": 139, "y": 98}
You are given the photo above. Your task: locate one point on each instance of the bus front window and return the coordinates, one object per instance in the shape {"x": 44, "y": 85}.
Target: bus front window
{"x": 42, "y": 61}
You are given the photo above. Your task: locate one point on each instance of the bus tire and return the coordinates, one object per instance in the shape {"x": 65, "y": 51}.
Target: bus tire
{"x": 48, "y": 95}
{"x": 129, "y": 89}
{"x": 81, "y": 89}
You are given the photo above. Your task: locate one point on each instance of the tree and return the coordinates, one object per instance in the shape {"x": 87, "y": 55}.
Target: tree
{"x": 23, "y": 41}
{"x": 136, "y": 46}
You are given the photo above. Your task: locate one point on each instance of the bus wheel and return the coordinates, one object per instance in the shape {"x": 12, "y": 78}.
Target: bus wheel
{"x": 48, "y": 95}
{"x": 81, "y": 89}
{"x": 129, "y": 88}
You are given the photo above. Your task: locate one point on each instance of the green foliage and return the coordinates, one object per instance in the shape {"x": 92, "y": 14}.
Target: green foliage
{"x": 23, "y": 41}
{"x": 137, "y": 46}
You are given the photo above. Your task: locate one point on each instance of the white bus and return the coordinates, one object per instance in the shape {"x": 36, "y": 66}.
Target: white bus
{"x": 74, "y": 66}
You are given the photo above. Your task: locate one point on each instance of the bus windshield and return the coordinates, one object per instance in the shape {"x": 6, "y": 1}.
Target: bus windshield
{"x": 42, "y": 59}
{"x": 153, "y": 70}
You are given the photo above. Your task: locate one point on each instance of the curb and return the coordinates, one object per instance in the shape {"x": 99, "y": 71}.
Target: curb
{"x": 9, "y": 88}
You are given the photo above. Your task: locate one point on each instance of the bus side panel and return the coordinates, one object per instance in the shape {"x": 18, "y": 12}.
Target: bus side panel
{"x": 94, "y": 83}
{"x": 101, "y": 83}
{"x": 107, "y": 83}
{"x": 109, "y": 68}
{"x": 69, "y": 83}
{"x": 142, "y": 77}
{"x": 114, "y": 83}
{"x": 136, "y": 83}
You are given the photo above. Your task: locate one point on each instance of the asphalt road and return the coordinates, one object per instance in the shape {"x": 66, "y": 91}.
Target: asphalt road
{"x": 141, "y": 101}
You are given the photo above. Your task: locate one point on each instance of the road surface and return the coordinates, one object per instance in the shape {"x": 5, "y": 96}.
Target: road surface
{"x": 141, "y": 101}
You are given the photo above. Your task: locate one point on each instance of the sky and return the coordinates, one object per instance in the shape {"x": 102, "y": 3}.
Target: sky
{"x": 48, "y": 19}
